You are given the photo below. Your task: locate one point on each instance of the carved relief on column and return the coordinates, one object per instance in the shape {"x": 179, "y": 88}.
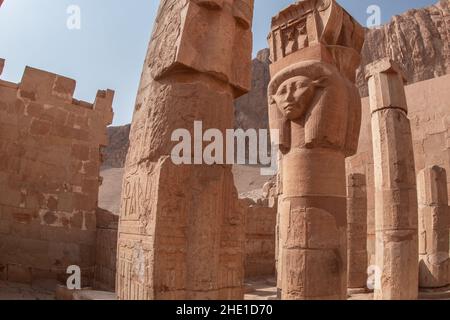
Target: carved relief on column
{"x": 181, "y": 233}
{"x": 396, "y": 216}
{"x": 357, "y": 231}
{"x": 434, "y": 224}
{"x": 316, "y": 107}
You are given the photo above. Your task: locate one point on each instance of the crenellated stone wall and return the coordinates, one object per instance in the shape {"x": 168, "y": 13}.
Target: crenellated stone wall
{"x": 49, "y": 176}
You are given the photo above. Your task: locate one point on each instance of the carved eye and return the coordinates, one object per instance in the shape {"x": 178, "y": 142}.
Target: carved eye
{"x": 301, "y": 85}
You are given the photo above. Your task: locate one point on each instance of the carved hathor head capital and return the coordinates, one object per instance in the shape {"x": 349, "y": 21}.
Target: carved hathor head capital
{"x": 318, "y": 98}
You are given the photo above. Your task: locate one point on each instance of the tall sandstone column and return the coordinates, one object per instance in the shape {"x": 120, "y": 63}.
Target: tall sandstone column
{"x": 396, "y": 217}
{"x": 434, "y": 224}
{"x": 181, "y": 235}
{"x": 313, "y": 102}
{"x": 357, "y": 231}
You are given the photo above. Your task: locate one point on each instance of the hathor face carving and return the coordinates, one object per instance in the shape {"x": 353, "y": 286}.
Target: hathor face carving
{"x": 295, "y": 95}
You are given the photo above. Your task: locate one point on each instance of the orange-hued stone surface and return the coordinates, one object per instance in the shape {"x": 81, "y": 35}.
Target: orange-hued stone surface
{"x": 181, "y": 233}
{"x": 434, "y": 224}
{"x": 428, "y": 112}
{"x": 396, "y": 216}
{"x": 357, "y": 231}
{"x": 49, "y": 177}
{"x": 316, "y": 108}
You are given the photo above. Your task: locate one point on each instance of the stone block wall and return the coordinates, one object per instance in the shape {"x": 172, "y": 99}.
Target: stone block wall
{"x": 260, "y": 224}
{"x": 49, "y": 176}
{"x": 106, "y": 250}
{"x": 429, "y": 112}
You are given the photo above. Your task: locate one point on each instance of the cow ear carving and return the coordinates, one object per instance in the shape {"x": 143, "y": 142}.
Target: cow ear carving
{"x": 271, "y": 100}
{"x": 322, "y": 82}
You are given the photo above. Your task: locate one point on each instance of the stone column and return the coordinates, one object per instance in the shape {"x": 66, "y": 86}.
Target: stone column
{"x": 396, "y": 217}
{"x": 313, "y": 102}
{"x": 181, "y": 233}
{"x": 357, "y": 231}
{"x": 434, "y": 224}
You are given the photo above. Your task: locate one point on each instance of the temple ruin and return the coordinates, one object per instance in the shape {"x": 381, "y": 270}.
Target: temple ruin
{"x": 434, "y": 224}
{"x": 49, "y": 176}
{"x": 396, "y": 215}
{"x": 316, "y": 108}
{"x": 357, "y": 259}
{"x": 181, "y": 233}
{"x": 359, "y": 207}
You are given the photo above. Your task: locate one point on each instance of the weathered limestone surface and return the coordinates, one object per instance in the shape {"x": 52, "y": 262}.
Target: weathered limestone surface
{"x": 181, "y": 235}
{"x": 49, "y": 177}
{"x": 434, "y": 224}
{"x": 106, "y": 251}
{"x": 417, "y": 40}
{"x": 260, "y": 221}
{"x": 316, "y": 108}
{"x": 115, "y": 153}
{"x": 396, "y": 216}
{"x": 357, "y": 231}
{"x": 430, "y": 123}
{"x": 425, "y": 29}
{"x": 251, "y": 109}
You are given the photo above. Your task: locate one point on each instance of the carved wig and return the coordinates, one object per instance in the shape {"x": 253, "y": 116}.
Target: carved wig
{"x": 334, "y": 116}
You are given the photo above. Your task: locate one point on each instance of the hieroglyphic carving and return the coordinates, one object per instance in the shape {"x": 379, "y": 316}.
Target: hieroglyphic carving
{"x": 308, "y": 23}
{"x": 179, "y": 36}
{"x": 138, "y": 192}
{"x": 294, "y": 37}
{"x": 357, "y": 231}
{"x": 184, "y": 218}
{"x": 434, "y": 224}
{"x": 396, "y": 213}
{"x": 316, "y": 108}
{"x": 319, "y": 113}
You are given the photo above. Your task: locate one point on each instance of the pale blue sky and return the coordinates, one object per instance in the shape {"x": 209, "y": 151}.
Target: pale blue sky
{"x": 109, "y": 50}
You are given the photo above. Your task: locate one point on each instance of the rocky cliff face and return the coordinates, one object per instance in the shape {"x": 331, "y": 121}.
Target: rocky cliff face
{"x": 418, "y": 40}
{"x": 251, "y": 109}
{"x": 115, "y": 153}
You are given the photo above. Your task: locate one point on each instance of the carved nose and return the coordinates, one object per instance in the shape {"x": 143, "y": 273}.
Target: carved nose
{"x": 290, "y": 95}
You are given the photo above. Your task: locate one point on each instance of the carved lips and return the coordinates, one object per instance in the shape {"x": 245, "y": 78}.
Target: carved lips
{"x": 294, "y": 97}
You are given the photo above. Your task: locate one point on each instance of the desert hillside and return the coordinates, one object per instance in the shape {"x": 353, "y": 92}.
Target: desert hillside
{"x": 418, "y": 40}
{"x": 423, "y": 56}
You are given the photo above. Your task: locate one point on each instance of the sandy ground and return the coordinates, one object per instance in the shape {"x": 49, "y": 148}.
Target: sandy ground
{"x": 18, "y": 291}
{"x": 256, "y": 289}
